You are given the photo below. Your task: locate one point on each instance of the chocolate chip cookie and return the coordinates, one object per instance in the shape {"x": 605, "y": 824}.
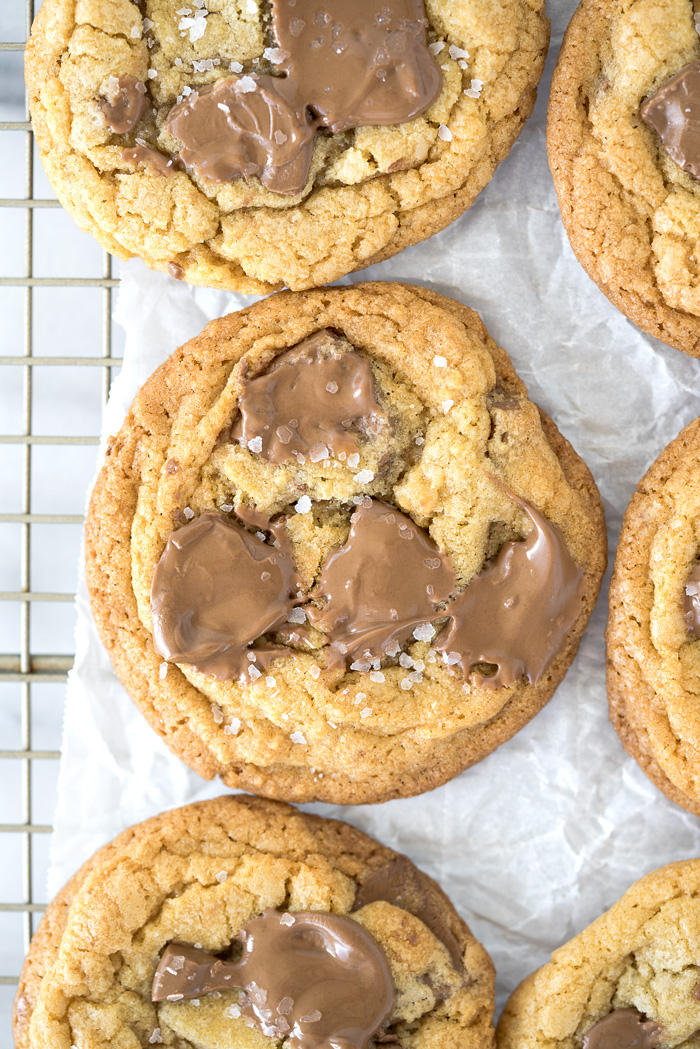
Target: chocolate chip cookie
{"x": 625, "y": 155}
{"x": 654, "y": 623}
{"x": 629, "y": 980}
{"x": 335, "y": 552}
{"x": 235, "y": 922}
{"x": 256, "y": 144}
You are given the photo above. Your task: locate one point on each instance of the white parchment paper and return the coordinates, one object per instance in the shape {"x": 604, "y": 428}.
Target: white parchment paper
{"x": 547, "y": 832}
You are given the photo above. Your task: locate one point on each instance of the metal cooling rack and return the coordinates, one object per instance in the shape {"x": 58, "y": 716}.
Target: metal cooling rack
{"x": 32, "y": 673}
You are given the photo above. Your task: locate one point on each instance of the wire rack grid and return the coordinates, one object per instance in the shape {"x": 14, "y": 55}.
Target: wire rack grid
{"x": 47, "y": 282}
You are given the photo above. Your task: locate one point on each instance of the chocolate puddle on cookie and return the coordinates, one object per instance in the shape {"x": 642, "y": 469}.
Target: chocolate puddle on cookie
{"x": 218, "y": 590}
{"x": 311, "y": 977}
{"x": 338, "y": 66}
{"x": 624, "y": 1029}
{"x": 313, "y": 402}
{"x": 674, "y": 113}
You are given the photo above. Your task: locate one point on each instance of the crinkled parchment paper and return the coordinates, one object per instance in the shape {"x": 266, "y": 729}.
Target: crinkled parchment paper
{"x": 547, "y": 832}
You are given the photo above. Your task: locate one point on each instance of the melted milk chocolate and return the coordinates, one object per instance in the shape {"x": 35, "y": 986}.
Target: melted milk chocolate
{"x": 215, "y": 590}
{"x": 674, "y": 113}
{"x": 624, "y": 1029}
{"x": 153, "y": 158}
{"x": 400, "y": 883}
{"x": 691, "y": 601}
{"x": 344, "y": 65}
{"x": 313, "y": 978}
{"x": 310, "y": 401}
{"x": 125, "y": 105}
{"x": 517, "y": 611}
{"x": 385, "y": 581}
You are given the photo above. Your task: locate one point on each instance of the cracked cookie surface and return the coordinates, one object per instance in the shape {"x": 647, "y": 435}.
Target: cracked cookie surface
{"x": 197, "y": 875}
{"x": 640, "y": 955}
{"x": 371, "y": 191}
{"x": 631, "y": 213}
{"x": 653, "y": 658}
{"x": 307, "y": 728}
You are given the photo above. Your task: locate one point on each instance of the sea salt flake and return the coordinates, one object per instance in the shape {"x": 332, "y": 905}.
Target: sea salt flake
{"x": 405, "y": 660}
{"x": 297, "y": 615}
{"x": 332, "y": 387}
{"x": 376, "y": 675}
{"x": 393, "y": 649}
{"x": 303, "y": 505}
{"x": 437, "y": 47}
{"x": 155, "y": 1037}
{"x": 354, "y": 460}
{"x": 311, "y": 1018}
{"x": 233, "y": 727}
{"x": 135, "y": 32}
{"x": 365, "y": 713}
{"x": 361, "y": 665}
{"x": 217, "y": 713}
{"x": 175, "y": 997}
{"x": 232, "y": 1011}
{"x": 275, "y": 55}
{"x": 475, "y": 90}
{"x": 457, "y": 52}
{"x": 420, "y": 440}
{"x": 163, "y": 670}
{"x": 189, "y": 513}
{"x": 446, "y": 405}
{"x": 222, "y": 876}
{"x": 315, "y": 672}
{"x": 246, "y": 84}
{"x": 298, "y": 737}
{"x": 280, "y": 139}
{"x": 147, "y": 24}
{"x": 318, "y": 452}
{"x": 226, "y": 508}
{"x": 439, "y": 362}
{"x": 424, "y": 632}
{"x": 254, "y": 673}
{"x": 286, "y": 919}
{"x": 186, "y": 90}
{"x": 364, "y": 477}
{"x": 445, "y": 134}
{"x": 152, "y": 74}
{"x": 255, "y": 444}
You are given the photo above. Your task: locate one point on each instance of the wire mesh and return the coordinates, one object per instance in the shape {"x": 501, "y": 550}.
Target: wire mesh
{"x": 30, "y": 741}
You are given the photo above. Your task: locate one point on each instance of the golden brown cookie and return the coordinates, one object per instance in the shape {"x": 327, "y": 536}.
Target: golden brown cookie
{"x": 370, "y": 190}
{"x": 453, "y": 426}
{"x": 631, "y": 212}
{"x": 201, "y": 874}
{"x": 652, "y": 649}
{"x": 629, "y": 979}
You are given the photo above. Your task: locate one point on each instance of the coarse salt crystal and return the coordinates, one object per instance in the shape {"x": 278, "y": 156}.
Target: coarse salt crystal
{"x": 232, "y": 1011}
{"x": 298, "y": 737}
{"x": 393, "y": 649}
{"x": 246, "y": 84}
{"x": 444, "y": 133}
{"x": 254, "y": 673}
{"x": 446, "y": 405}
{"x": 255, "y": 444}
{"x": 235, "y": 67}
{"x": 360, "y": 664}
{"x": 365, "y": 713}
{"x": 226, "y": 508}
{"x": 152, "y": 74}
{"x": 439, "y": 362}
{"x": 297, "y": 615}
{"x": 364, "y": 477}
{"x": 451, "y": 658}
{"x": 315, "y": 672}
{"x": 376, "y": 675}
{"x": 163, "y": 670}
{"x": 287, "y": 919}
{"x": 155, "y": 1037}
{"x": 189, "y": 514}
{"x": 405, "y": 660}
{"x": 222, "y": 876}
{"x": 424, "y": 632}
{"x": 233, "y": 727}
{"x": 186, "y": 90}
{"x": 217, "y": 713}
{"x": 458, "y": 52}
{"x": 437, "y": 47}
{"x": 275, "y": 55}
{"x": 135, "y": 32}
{"x": 475, "y": 90}
{"x": 354, "y": 460}
{"x": 303, "y": 505}
{"x": 318, "y": 452}
{"x": 420, "y": 440}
